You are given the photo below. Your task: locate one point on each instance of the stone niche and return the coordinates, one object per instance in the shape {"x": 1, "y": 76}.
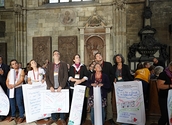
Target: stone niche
{"x": 2, "y": 28}
{"x": 94, "y": 37}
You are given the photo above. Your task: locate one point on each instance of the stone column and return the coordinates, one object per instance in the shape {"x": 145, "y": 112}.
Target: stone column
{"x": 119, "y": 28}
{"x": 108, "y": 46}
{"x": 81, "y": 45}
{"x": 20, "y": 30}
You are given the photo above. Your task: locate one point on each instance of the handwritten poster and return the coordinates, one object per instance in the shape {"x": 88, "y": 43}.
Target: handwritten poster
{"x": 77, "y": 105}
{"x": 130, "y": 102}
{"x": 55, "y": 102}
{"x": 32, "y": 101}
{"x": 169, "y": 106}
{"x": 97, "y": 106}
{"x": 4, "y": 103}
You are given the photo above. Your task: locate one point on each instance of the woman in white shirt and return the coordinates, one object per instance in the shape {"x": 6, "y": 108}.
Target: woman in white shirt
{"x": 36, "y": 74}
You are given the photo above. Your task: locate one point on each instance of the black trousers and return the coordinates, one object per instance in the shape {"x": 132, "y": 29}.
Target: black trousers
{"x": 164, "y": 112}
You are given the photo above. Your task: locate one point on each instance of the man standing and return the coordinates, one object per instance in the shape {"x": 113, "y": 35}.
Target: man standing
{"x": 4, "y": 69}
{"x": 56, "y": 78}
{"x": 157, "y": 62}
{"x": 107, "y": 69}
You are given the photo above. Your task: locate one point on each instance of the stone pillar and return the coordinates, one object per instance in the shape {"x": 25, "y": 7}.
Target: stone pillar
{"x": 20, "y": 31}
{"x": 119, "y": 28}
{"x": 81, "y": 45}
{"x": 108, "y": 46}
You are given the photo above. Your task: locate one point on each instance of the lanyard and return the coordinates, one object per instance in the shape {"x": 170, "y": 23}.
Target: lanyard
{"x": 77, "y": 72}
{"x": 17, "y": 72}
{"x": 35, "y": 76}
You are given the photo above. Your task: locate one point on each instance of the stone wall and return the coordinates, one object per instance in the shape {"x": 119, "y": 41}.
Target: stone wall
{"x": 40, "y": 19}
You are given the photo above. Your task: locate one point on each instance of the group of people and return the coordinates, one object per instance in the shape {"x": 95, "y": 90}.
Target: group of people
{"x": 58, "y": 75}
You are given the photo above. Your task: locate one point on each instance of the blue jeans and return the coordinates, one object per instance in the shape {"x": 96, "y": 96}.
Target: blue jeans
{"x": 18, "y": 98}
{"x": 54, "y": 116}
{"x": 92, "y": 115}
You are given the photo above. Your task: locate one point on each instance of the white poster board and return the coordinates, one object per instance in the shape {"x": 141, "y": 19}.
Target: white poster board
{"x": 97, "y": 106}
{"x": 4, "y": 103}
{"x": 77, "y": 105}
{"x": 32, "y": 101}
{"x": 55, "y": 102}
{"x": 130, "y": 102}
{"x": 169, "y": 106}
{"x": 12, "y": 82}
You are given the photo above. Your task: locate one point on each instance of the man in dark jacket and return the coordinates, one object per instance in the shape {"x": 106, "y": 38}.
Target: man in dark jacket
{"x": 4, "y": 69}
{"x": 107, "y": 69}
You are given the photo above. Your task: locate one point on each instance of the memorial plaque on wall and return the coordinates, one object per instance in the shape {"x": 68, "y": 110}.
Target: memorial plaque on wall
{"x": 67, "y": 45}
{"x": 3, "y": 52}
{"x": 42, "y": 49}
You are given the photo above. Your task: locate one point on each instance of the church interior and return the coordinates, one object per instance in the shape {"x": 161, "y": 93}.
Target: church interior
{"x": 138, "y": 29}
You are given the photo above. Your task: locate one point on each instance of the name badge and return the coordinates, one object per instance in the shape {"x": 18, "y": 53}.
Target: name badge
{"x": 76, "y": 76}
{"x": 119, "y": 78}
{"x": 55, "y": 73}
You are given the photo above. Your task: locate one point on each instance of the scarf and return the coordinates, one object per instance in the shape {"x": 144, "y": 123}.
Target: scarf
{"x": 77, "y": 65}
{"x": 169, "y": 73}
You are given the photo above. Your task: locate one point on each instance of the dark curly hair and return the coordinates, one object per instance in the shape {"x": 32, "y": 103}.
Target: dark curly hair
{"x": 122, "y": 58}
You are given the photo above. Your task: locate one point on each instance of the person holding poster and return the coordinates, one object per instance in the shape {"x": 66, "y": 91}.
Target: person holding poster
{"x": 3, "y": 76}
{"x": 101, "y": 80}
{"x": 107, "y": 69}
{"x": 18, "y": 94}
{"x": 36, "y": 73}
{"x": 164, "y": 83}
{"x": 78, "y": 75}
{"x": 56, "y": 78}
{"x": 121, "y": 70}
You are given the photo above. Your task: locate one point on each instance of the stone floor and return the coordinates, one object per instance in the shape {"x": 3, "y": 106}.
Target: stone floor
{"x": 150, "y": 120}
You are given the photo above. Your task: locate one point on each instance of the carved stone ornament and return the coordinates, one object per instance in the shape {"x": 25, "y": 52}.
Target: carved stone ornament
{"x": 17, "y": 8}
{"x": 67, "y": 17}
{"x": 95, "y": 21}
{"x": 147, "y": 13}
{"x": 120, "y": 4}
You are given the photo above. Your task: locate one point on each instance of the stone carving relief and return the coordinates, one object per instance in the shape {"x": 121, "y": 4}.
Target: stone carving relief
{"x": 67, "y": 17}
{"x": 17, "y": 8}
{"x": 120, "y": 4}
{"x": 94, "y": 44}
{"x": 3, "y": 51}
{"x": 2, "y": 28}
{"x": 67, "y": 45}
{"x": 95, "y": 21}
{"x": 42, "y": 49}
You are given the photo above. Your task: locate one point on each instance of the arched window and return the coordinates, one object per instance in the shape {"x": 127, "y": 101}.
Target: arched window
{"x": 62, "y": 1}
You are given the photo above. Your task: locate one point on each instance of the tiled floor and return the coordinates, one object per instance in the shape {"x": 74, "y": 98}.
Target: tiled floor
{"x": 151, "y": 120}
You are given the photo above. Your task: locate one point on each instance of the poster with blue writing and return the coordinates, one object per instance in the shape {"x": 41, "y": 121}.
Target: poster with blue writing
{"x": 77, "y": 105}
{"x": 169, "y": 106}
{"x": 130, "y": 102}
{"x": 32, "y": 101}
{"x": 4, "y": 103}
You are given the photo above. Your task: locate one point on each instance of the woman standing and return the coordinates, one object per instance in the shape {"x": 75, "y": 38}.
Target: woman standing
{"x": 101, "y": 80}
{"x": 164, "y": 82}
{"x": 121, "y": 70}
{"x": 78, "y": 75}
{"x": 18, "y": 95}
{"x": 36, "y": 74}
